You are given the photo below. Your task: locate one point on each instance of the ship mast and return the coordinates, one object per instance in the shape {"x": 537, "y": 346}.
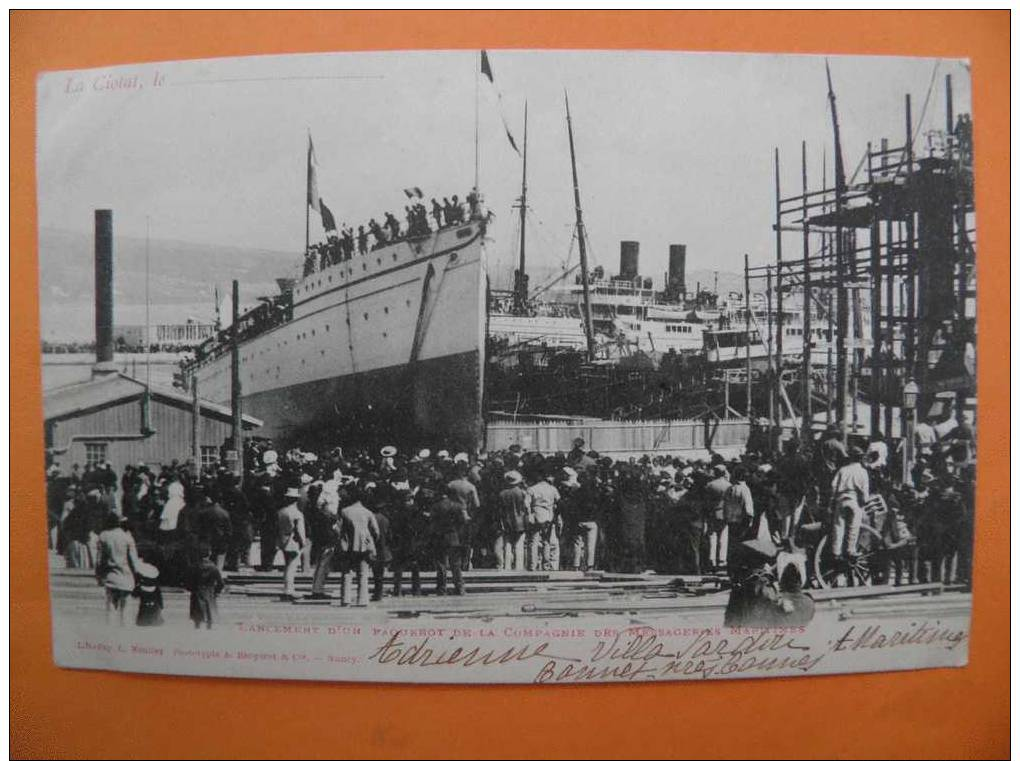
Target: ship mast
{"x": 580, "y": 239}
{"x": 521, "y": 296}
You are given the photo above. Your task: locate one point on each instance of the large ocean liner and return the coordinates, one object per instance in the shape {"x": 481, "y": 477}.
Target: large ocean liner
{"x": 389, "y": 340}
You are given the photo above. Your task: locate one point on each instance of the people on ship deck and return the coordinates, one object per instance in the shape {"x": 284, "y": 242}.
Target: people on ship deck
{"x": 377, "y": 232}
{"x": 341, "y": 247}
{"x": 392, "y": 225}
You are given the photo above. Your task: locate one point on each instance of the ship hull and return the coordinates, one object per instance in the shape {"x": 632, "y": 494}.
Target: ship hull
{"x": 429, "y": 404}
{"x": 385, "y": 346}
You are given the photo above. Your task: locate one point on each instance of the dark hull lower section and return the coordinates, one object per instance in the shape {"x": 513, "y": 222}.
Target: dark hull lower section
{"x": 434, "y": 403}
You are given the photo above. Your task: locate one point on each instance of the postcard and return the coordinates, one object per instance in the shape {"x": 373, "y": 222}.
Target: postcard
{"x": 509, "y": 366}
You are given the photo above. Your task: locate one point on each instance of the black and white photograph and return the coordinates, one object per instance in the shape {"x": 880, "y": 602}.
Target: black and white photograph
{"x": 509, "y": 365}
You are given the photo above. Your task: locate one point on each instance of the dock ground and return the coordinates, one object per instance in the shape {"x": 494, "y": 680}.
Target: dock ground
{"x": 561, "y": 596}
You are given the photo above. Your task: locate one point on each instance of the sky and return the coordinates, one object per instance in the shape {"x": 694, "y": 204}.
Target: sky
{"x": 671, "y": 147}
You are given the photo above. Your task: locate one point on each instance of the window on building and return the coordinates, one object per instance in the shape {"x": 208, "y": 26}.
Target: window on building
{"x": 95, "y": 452}
{"x": 210, "y": 456}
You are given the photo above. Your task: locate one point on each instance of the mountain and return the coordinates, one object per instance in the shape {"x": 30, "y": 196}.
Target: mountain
{"x": 183, "y": 277}
{"x": 180, "y": 271}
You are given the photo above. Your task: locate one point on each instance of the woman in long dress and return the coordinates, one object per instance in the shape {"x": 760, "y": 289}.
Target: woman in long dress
{"x": 74, "y": 533}
{"x": 115, "y": 566}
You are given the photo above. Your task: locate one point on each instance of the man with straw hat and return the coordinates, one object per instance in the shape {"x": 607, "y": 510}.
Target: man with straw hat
{"x": 514, "y": 506}
{"x": 290, "y": 539}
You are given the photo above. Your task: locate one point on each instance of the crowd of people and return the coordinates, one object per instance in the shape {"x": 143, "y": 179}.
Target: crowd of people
{"x": 361, "y": 512}
{"x": 121, "y": 346}
{"x": 343, "y": 244}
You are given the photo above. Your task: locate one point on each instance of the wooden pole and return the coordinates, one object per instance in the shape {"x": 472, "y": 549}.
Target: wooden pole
{"x": 747, "y": 331}
{"x": 808, "y": 338}
{"x": 196, "y": 426}
{"x": 522, "y": 283}
{"x": 829, "y": 334}
{"x": 778, "y": 377}
{"x": 910, "y": 369}
{"x": 876, "y": 315}
{"x": 769, "y": 375}
{"x": 888, "y": 371}
{"x": 308, "y": 185}
{"x": 235, "y": 383}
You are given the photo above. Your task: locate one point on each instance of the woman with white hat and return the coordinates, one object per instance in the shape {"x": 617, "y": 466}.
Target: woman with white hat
{"x": 387, "y": 465}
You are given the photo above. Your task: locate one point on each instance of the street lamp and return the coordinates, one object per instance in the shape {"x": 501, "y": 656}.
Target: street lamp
{"x": 910, "y": 393}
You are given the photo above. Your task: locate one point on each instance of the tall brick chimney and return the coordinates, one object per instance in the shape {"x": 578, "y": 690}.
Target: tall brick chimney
{"x": 104, "y": 293}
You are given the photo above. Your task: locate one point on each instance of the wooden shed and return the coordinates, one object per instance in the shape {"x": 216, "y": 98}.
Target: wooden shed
{"x": 118, "y": 419}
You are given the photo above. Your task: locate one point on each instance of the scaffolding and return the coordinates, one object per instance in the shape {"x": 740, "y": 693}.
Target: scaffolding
{"x": 886, "y": 267}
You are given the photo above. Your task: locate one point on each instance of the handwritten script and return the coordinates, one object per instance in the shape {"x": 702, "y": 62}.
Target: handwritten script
{"x": 639, "y": 654}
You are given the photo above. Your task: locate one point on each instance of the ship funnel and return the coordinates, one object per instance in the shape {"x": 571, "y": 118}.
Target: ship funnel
{"x": 677, "y": 268}
{"x": 628, "y": 259}
{"x": 104, "y": 293}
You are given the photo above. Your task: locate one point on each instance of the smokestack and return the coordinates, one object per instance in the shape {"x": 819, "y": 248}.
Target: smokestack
{"x": 628, "y": 259}
{"x": 677, "y": 268}
{"x": 104, "y": 292}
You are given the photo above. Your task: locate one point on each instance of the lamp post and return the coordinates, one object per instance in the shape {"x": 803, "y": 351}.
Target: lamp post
{"x": 910, "y": 394}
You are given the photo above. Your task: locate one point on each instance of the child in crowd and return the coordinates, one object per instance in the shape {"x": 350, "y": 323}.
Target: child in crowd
{"x": 150, "y": 596}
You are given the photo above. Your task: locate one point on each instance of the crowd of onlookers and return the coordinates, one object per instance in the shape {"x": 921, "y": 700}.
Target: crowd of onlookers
{"x": 120, "y": 346}
{"x": 361, "y": 512}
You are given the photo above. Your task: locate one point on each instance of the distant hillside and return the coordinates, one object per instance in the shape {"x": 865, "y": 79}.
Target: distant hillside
{"x": 183, "y": 277}
{"x": 180, "y": 271}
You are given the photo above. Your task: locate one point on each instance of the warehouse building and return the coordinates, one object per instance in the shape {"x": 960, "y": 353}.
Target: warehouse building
{"x": 114, "y": 418}
{"x": 121, "y": 420}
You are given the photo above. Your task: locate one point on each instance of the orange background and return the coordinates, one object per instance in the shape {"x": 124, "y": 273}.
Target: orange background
{"x": 961, "y": 712}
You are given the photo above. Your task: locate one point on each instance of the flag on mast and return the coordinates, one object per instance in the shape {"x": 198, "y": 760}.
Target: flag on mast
{"x": 313, "y": 183}
{"x": 487, "y": 71}
{"x": 328, "y": 221}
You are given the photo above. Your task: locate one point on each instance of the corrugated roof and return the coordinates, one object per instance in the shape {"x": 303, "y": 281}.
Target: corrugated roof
{"x": 70, "y": 400}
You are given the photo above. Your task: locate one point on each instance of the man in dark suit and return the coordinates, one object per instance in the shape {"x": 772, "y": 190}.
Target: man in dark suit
{"x": 214, "y": 528}
{"x": 409, "y": 539}
{"x": 383, "y": 553}
{"x": 448, "y": 521}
